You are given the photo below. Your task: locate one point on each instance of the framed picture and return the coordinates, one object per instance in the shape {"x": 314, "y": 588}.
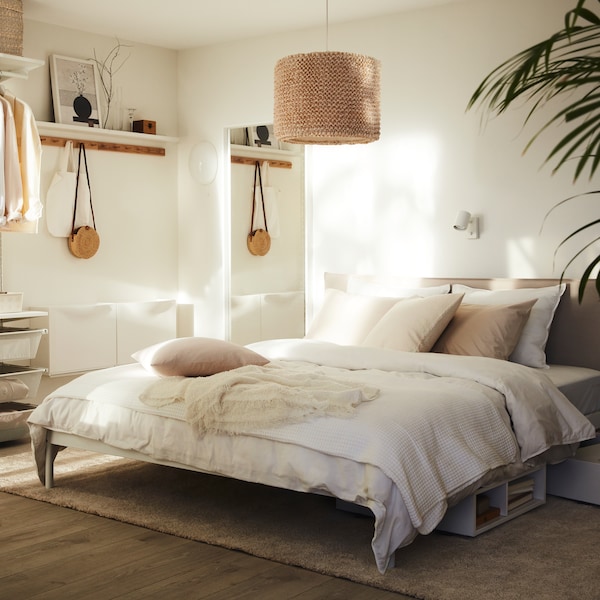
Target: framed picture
{"x": 75, "y": 91}
{"x": 263, "y": 136}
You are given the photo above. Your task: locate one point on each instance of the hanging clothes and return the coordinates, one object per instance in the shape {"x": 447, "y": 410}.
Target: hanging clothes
{"x": 21, "y": 160}
{"x": 13, "y": 186}
{"x": 30, "y": 157}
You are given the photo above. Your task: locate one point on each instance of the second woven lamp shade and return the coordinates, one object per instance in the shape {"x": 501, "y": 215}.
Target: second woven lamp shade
{"x": 327, "y": 98}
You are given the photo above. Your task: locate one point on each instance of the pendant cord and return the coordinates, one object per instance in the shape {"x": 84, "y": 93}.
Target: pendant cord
{"x": 327, "y": 25}
{"x": 1, "y": 263}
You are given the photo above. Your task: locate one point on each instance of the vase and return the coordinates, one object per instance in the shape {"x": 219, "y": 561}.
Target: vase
{"x": 82, "y": 108}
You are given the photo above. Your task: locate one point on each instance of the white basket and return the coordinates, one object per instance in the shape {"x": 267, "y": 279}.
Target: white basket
{"x": 11, "y": 302}
{"x": 19, "y": 344}
{"x": 30, "y": 376}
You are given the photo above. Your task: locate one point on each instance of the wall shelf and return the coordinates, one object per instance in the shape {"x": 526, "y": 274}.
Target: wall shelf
{"x": 17, "y": 67}
{"x": 94, "y": 138}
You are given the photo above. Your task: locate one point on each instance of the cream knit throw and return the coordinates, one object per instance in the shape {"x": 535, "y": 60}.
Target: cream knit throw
{"x": 252, "y": 397}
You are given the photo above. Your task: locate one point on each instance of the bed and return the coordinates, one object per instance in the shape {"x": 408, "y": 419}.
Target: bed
{"x": 371, "y": 407}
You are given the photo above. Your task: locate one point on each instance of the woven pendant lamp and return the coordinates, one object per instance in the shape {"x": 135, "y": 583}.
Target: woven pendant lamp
{"x": 327, "y": 98}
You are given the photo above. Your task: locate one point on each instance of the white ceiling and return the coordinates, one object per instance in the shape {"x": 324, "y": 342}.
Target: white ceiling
{"x": 180, "y": 24}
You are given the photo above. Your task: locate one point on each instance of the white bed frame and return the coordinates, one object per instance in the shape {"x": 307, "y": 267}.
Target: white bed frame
{"x": 55, "y": 440}
{"x": 573, "y": 341}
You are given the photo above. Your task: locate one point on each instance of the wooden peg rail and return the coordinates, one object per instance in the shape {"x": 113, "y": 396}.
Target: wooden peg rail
{"x": 247, "y": 160}
{"x": 49, "y": 140}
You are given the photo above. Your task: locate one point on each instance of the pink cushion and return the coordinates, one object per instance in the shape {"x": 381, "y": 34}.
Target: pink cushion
{"x": 195, "y": 357}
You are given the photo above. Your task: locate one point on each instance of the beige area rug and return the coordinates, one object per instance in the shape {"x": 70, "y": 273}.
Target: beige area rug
{"x": 550, "y": 553}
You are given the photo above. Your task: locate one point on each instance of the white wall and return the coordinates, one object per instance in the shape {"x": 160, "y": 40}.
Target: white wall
{"x": 384, "y": 207}
{"x": 389, "y": 206}
{"x": 135, "y": 197}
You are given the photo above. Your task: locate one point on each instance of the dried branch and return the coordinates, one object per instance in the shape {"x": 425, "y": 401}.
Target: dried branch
{"x": 107, "y": 68}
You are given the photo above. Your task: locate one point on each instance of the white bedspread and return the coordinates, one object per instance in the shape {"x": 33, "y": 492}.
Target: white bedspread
{"x": 439, "y": 424}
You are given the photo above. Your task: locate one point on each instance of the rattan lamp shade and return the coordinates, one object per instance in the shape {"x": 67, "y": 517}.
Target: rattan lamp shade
{"x": 327, "y": 98}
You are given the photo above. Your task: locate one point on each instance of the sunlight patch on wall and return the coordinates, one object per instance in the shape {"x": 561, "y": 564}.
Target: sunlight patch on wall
{"x": 519, "y": 257}
{"x": 375, "y": 206}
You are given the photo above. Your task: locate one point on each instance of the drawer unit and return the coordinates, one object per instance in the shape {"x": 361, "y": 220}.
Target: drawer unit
{"x": 86, "y": 337}
{"x": 18, "y": 382}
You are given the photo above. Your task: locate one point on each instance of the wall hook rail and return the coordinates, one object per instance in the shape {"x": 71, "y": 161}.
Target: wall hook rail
{"x": 50, "y": 140}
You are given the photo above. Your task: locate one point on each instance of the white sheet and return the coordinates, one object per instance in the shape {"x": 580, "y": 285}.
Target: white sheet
{"x": 579, "y": 384}
{"x": 402, "y": 454}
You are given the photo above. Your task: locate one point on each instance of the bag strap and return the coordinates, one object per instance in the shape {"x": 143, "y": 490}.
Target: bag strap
{"x": 82, "y": 151}
{"x": 66, "y": 159}
{"x": 262, "y": 196}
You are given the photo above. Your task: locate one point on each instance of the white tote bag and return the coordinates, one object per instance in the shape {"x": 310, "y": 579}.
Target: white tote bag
{"x": 60, "y": 197}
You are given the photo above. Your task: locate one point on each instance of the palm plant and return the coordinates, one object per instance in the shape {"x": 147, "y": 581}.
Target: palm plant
{"x": 566, "y": 65}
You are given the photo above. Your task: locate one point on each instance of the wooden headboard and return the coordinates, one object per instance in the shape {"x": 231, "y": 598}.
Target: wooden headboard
{"x": 575, "y": 333}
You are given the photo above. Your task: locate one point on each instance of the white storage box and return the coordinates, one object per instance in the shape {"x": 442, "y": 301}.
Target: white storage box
{"x": 11, "y": 302}
{"x": 19, "y": 344}
{"x": 577, "y": 478}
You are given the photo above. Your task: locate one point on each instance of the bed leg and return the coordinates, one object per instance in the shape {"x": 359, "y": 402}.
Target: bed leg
{"x": 49, "y": 466}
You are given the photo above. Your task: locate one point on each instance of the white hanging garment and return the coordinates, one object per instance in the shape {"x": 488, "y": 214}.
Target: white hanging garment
{"x": 30, "y": 156}
{"x": 13, "y": 186}
{"x": 2, "y": 186}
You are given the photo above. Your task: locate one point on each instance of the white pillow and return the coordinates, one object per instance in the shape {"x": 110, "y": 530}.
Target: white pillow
{"x": 414, "y": 324}
{"x": 356, "y": 285}
{"x": 531, "y": 347}
{"x": 346, "y": 319}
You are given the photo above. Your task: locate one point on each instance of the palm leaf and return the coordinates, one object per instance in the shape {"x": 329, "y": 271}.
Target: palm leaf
{"x": 544, "y": 71}
{"x": 568, "y": 62}
{"x": 586, "y": 276}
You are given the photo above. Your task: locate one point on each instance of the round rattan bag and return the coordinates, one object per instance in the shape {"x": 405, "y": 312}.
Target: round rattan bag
{"x": 84, "y": 242}
{"x": 259, "y": 242}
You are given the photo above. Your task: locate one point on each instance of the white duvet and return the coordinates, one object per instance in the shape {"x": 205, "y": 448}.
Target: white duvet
{"x": 438, "y": 424}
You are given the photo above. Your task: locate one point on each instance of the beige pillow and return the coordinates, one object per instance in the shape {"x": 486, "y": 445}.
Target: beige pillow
{"x": 346, "y": 319}
{"x": 195, "y": 357}
{"x": 414, "y": 324}
{"x": 531, "y": 347}
{"x": 485, "y": 330}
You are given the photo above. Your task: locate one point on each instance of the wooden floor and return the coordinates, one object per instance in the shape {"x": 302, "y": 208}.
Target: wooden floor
{"x": 49, "y": 552}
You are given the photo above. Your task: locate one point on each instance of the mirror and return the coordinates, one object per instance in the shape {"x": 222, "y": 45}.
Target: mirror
{"x": 266, "y": 293}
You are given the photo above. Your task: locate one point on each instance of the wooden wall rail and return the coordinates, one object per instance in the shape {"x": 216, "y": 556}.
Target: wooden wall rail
{"x": 247, "y": 160}
{"x": 50, "y": 140}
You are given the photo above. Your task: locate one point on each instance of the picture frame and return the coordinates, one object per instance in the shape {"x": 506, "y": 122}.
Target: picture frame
{"x": 75, "y": 87}
{"x": 262, "y": 136}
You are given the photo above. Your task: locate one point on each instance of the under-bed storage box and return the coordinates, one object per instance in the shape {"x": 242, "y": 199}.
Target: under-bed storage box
{"x": 577, "y": 478}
